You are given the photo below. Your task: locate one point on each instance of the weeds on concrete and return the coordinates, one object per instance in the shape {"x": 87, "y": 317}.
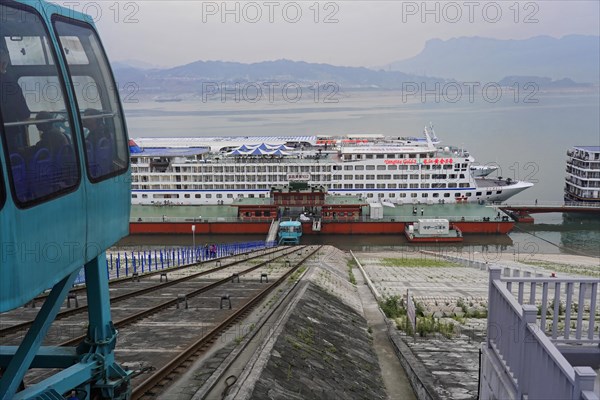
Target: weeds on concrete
{"x": 393, "y": 307}
{"x": 351, "y": 276}
{"x": 417, "y": 263}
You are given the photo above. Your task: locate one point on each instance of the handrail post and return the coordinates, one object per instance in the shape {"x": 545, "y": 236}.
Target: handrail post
{"x": 495, "y": 273}
{"x": 526, "y": 339}
{"x": 584, "y": 381}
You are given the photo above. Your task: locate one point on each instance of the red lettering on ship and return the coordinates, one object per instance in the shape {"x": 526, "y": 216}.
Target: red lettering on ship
{"x": 429, "y": 161}
{"x": 412, "y": 161}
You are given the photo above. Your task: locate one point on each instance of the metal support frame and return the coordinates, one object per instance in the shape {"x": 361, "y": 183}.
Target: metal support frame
{"x": 90, "y": 365}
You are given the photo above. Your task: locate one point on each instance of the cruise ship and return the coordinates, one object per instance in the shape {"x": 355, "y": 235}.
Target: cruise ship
{"x": 582, "y": 183}
{"x": 377, "y": 168}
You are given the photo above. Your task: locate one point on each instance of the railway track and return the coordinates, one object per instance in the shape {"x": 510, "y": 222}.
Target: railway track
{"x": 131, "y": 293}
{"x": 178, "y": 316}
{"x": 155, "y": 383}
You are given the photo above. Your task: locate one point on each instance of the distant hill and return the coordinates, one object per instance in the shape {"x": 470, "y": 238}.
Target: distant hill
{"x": 190, "y": 78}
{"x": 542, "y": 83}
{"x": 576, "y": 57}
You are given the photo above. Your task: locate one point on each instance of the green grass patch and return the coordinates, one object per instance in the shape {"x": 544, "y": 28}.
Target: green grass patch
{"x": 296, "y": 275}
{"x": 392, "y": 307}
{"x": 351, "y": 264}
{"x": 417, "y": 263}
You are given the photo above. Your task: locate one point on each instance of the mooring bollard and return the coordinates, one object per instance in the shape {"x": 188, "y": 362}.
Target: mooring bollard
{"x": 165, "y": 275}
{"x": 135, "y": 277}
{"x": 234, "y": 277}
{"x": 263, "y": 275}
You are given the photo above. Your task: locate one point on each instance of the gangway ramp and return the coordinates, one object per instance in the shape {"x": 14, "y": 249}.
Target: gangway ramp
{"x": 272, "y": 235}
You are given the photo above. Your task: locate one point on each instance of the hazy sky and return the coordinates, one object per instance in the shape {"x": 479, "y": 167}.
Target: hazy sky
{"x": 353, "y": 33}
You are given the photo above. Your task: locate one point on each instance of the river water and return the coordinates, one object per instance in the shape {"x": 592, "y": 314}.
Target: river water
{"x": 526, "y": 135}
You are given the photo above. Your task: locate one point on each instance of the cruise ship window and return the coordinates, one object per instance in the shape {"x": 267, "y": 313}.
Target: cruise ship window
{"x": 413, "y": 195}
{"x": 436, "y": 195}
{"x": 424, "y": 195}
{"x": 370, "y": 177}
{"x": 381, "y": 168}
{"x": 402, "y": 194}
{"x": 359, "y": 168}
{"x": 370, "y": 167}
{"x": 468, "y": 194}
{"x": 392, "y": 194}
{"x": 446, "y": 194}
{"x": 452, "y": 185}
{"x": 392, "y": 186}
{"x": 381, "y": 186}
{"x": 379, "y": 156}
{"x": 390, "y": 155}
{"x": 348, "y": 167}
{"x": 348, "y": 177}
{"x": 457, "y": 194}
{"x": 488, "y": 193}
{"x": 392, "y": 167}
{"x": 499, "y": 192}
{"x": 478, "y": 194}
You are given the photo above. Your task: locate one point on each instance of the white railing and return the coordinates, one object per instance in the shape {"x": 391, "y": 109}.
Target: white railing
{"x": 536, "y": 368}
{"x": 553, "y": 301}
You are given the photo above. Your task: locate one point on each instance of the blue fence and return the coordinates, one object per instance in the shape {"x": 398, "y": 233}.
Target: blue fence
{"x": 120, "y": 264}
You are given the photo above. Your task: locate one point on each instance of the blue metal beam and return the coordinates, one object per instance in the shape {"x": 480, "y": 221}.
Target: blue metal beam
{"x": 101, "y": 338}
{"x": 22, "y": 359}
{"x": 62, "y": 381}
{"x": 46, "y": 357}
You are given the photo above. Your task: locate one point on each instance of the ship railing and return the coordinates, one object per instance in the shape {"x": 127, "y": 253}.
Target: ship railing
{"x": 533, "y": 361}
{"x": 542, "y": 204}
{"x": 362, "y": 218}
